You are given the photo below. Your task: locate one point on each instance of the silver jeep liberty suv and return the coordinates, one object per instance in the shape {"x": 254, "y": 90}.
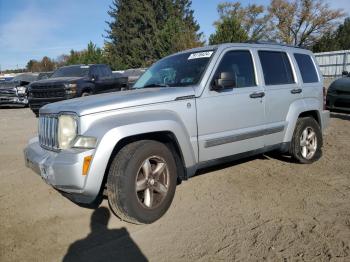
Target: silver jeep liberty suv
{"x": 187, "y": 111}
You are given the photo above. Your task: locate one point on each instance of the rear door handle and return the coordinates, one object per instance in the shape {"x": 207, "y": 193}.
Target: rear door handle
{"x": 296, "y": 91}
{"x": 257, "y": 95}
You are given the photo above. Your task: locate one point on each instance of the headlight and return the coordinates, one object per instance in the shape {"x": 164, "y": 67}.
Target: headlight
{"x": 71, "y": 89}
{"x": 21, "y": 90}
{"x": 70, "y": 85}
{"x": 67, "y": 130}
{"x": 85, "y": 142}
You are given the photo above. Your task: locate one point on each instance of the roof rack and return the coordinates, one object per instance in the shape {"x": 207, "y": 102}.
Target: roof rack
{"x": 273, "y": 43}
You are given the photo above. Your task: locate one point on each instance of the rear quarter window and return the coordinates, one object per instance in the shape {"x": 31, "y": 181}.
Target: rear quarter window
{"x": 307, "y": 68}
{"x": 276, "y": 68}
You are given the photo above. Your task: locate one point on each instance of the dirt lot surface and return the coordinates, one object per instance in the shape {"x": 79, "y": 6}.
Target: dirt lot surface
{"x": 251, "y": 210}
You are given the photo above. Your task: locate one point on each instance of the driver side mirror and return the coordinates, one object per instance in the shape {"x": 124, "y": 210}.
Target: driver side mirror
{"x": 94, "y": 78}
{"x": 345, "y": 73}
{"x": 226, "y": 80}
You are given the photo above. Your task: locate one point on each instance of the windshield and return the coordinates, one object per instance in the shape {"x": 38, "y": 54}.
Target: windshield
{"x": 74, "y": 71}
{"x": 178, "y": 70}
{"x": 25, "y": 78}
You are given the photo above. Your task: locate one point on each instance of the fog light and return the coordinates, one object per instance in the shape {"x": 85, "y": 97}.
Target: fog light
{"x": 86, "y": 165}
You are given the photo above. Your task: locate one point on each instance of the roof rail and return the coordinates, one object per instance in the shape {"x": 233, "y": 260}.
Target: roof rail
{"x": 273, "y": 43}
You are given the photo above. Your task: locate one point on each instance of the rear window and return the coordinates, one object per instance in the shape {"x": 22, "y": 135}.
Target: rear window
{"x": 276, "y": 68}
{"x": 306, "y": 68}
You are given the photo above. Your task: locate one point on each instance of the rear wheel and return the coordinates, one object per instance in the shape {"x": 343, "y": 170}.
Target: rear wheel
{"x": 142, "y": 181}
{"x": 306, "y": 146}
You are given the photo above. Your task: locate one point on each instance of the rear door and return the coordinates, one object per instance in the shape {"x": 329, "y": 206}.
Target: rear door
{"x": 231, "y": 121}
{"x": 312, "y": 84}
{"x": 281, "y": 90}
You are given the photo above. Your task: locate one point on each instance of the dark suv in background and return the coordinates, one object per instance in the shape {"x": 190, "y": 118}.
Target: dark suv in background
{"x": 74, "y": 81}
{"x": 338, "y": 94}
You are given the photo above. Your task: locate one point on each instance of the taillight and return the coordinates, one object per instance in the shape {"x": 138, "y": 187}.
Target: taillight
{"x": 324, "y": 98}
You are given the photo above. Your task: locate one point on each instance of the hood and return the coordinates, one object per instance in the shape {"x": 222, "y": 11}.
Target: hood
{"x": 118, "y": 100}
{"x": 57, "y": 79}
{"x": 341, "y": 84}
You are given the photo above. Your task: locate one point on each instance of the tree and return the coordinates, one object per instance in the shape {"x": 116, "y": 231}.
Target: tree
{"x": 32, "y": 65}
{"x": 179, "y": 31}
{"x": 46, "y": 64}
{"x": 91, "y": 55}
{"x": 228, "y": 30}
{"x": 142, "y": 31}
{"x": 253, "y": 18}
{"x": 130, "y": 33}
{"x": 332, "y": 41}
{"x": 343, "y": 34}
{"x": 302, "y": 22}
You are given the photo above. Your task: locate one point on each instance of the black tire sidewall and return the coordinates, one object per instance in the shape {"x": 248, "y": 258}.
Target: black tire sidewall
{"x": 125, "y": 176}
{"x": 301, "y": 125}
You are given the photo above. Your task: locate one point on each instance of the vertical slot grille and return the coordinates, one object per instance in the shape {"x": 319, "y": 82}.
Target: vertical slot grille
{"x": 48, "y": 125}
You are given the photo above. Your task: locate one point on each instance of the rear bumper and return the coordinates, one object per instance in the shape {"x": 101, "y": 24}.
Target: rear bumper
{"x": 62, "y": 170}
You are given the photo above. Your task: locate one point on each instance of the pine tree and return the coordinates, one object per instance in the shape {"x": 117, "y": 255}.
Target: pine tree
{"x": 130, "y": 35}
{"x": 142, "y": 31}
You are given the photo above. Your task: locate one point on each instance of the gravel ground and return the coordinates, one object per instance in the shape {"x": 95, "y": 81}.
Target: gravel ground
{"x": 261, "y": 208}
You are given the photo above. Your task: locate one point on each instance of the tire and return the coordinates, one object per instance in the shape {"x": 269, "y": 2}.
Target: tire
{"x": 305, "y": 149}
{"x": 86, "y": 93}
{"x": 145, "y": 204}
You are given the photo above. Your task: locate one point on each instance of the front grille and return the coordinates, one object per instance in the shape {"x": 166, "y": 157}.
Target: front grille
{"x": 8, "y": 92}
{"x": 48, "y": 129}
{"x": 47, "y": 91}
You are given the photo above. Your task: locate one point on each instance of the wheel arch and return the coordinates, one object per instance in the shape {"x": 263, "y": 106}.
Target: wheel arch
{"x": 112, "y": 139}
{"x": 302, "y": 108}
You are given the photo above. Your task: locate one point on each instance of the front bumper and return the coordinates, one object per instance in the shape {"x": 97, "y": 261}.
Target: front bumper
{"x": 338, "y": 102}
{"x": 13, "y": 101}
{"x": 62, "y": 170}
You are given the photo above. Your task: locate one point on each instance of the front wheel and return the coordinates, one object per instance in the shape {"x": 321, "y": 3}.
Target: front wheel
{"x": 142, "y": 181}
{"x": 306, "y": 145}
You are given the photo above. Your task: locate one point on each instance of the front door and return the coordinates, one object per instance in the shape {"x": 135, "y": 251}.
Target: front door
{"x": 231, "y": 121}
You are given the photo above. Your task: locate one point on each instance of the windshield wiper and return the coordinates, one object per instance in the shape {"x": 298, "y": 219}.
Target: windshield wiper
{"x": 155, "y": 85}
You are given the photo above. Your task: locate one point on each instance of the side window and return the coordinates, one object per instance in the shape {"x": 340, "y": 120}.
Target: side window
{"x": 276, "y": 68}
{"x": 93, "y": 71}
{"x": 240, "y": 64}
{"x": 306, "y": 68}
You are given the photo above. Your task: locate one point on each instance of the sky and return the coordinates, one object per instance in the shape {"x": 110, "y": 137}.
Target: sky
{"x": 31, "y": 29}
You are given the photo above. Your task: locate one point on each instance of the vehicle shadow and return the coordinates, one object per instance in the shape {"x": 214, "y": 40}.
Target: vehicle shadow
{"x": 340, "y": 115}
{"x": 103, "y": 244}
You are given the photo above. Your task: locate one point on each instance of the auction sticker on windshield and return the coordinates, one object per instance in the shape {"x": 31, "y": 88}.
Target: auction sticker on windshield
{"x": 200, "y": 55}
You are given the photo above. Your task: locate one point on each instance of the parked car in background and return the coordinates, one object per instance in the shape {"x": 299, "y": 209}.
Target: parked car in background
{"x": 5, "y": 78}
{"x": 188, "y": 111}
{"x": 338, "y": 94}
{"x": 14, "y": 92}
{"x": 74, "y": 81}
{"x": 133, "y": 75}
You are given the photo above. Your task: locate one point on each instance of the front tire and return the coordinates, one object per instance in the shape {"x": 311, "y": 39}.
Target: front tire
{"x": 141, "y": 182}
{"x": 306, "y": 145}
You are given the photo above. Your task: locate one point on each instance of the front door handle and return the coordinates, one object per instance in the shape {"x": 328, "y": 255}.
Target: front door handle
{"x": 257, "y": 95}
{"x": 296, "y": 91}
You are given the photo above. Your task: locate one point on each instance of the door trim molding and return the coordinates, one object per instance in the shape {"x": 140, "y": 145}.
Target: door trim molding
{"x": 243, "y": 136}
